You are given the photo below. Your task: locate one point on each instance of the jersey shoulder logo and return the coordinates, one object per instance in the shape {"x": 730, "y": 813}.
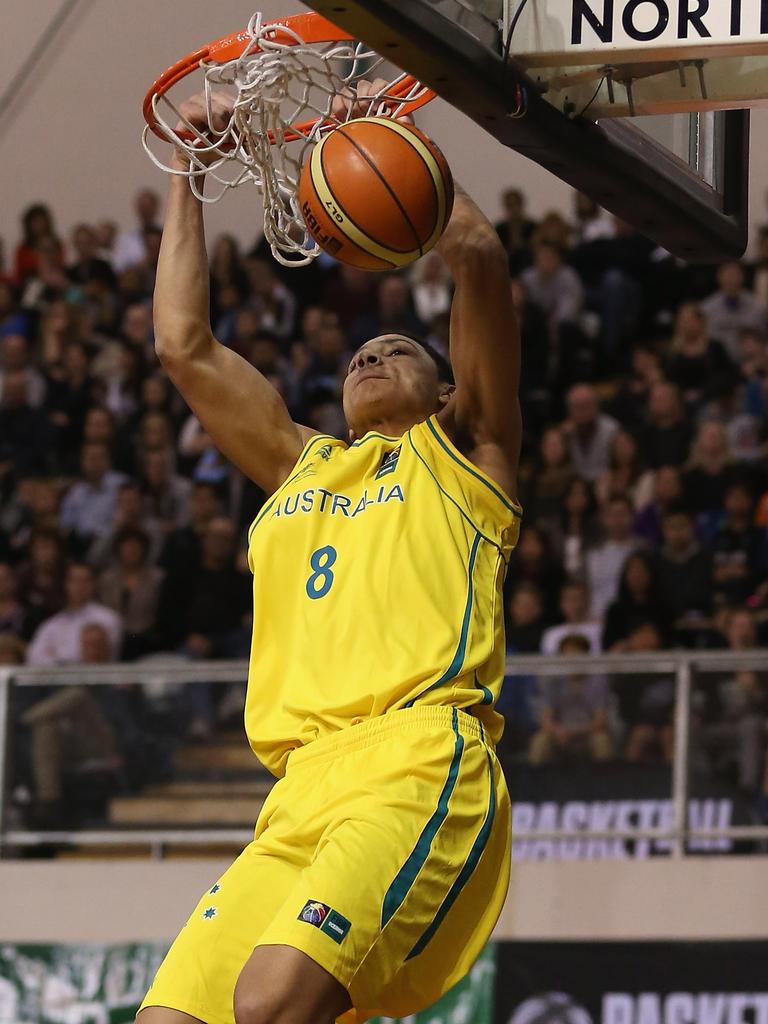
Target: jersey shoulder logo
{"x": 389, "y": 462}
{"x": 325, "y": 451}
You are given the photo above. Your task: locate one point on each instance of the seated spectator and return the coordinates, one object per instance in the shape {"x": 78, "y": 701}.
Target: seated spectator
{"x": 526, "y": 619}
{"x": 698, "y": 365}
{"x": 26, "y": 434}
{"x": 37, "y": 228}
{"x": 15, "y": 358}
{"x": 605, "y": 561}
{"x": 578, "y": 527}
{"x": 206, "y": 611}
{"x": 685, "y": 570}
{"x": 71, "y": 392}
{"x": 320, "y": 364}
{"x": 12, "y": 319}
{"x": 538, "y": 364}
{"x": 533, "y": 561}
{"x": 625, "y": 473}
{"x": 57, "y": 640}
{"x": 99, "y": 426}
{"x": 431, "y": 287}
{"x": 646, "y": 702}
{"x": 132, "y": 589}
{"x": 41, "y": 578}
{"x": 591, "y": 221}
{"x": 667, "y": 491}
{"x": 393, "y": 314}
{"x": 590, "y": 432}
{"x": 165, "y": 493}
{"x": 574, "y": 713}
{"x": 515, "y": 230}
{"x": 738, "y": 549}
{"x": 88, "y": 266}
{"x": 630, "y": 402}
{"x": 348, "y": 292}
{"x": 129, "y": 513}
{"x": 734, "y": 717}
{"x": 615, "y": 271}
{"x": 640, "y": 600}
{"x": 13, "y": 617}
{"x": 130, "y": 248}
{"x": 708, "y": 470}
{"x": 732, "y": 309}
{"x": 183, "y": 546}
{"x": 272, "y": 301}
{"x": 555, "y": 288}
{"x": 89, "y": 506}
{"x": 665, "y": 438}
{"x": 34, "y": 505}
{"x": 574, "y": 608}
{"x": 69, "y": 733}
{"x": 553, "y": 471}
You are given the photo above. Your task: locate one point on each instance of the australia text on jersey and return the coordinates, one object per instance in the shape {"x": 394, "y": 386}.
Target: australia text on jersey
{"x": 318, "y": 499}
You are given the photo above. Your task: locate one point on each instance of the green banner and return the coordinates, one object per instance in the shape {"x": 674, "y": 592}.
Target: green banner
{"x": 105, "y": 985}
{"x": 75, "y": 984}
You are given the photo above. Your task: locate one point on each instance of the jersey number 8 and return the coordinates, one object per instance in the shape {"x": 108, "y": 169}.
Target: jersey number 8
{"x": 321, "y": 580}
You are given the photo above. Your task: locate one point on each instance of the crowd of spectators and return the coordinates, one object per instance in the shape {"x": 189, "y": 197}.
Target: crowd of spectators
{"x": 644, "y": 475}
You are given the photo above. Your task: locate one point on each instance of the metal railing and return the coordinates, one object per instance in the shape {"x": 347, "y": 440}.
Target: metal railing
{"x": 684, "y": 666}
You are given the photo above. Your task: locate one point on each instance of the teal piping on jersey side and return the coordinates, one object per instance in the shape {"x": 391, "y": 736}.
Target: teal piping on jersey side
{"x": 311, "y": 443}
{"x": 370, "y": 437}
{"x": 407, "y": 874}
{"x": 466, "y": 872}
{"x": 465, "y": 464}
{"x": 445, "y": 494}
{"x": 487, "y": 695}
{"x": 458, "y": 658}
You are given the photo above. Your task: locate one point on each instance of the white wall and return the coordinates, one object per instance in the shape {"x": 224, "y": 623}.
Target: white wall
{"x": 123, "y": 901}
{"x": 73, "y": 138}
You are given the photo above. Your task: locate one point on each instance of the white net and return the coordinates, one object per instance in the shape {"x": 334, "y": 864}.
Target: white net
{"x": 285, "y": 94}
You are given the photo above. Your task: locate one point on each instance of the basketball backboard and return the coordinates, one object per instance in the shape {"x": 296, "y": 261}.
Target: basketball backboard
{"x": 681, "y": 177}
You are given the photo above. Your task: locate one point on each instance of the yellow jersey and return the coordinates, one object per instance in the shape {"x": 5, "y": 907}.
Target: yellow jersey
{"x": 378, "y": 569}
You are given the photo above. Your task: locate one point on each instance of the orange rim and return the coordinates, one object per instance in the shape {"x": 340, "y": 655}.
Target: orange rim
{"x": 312, "y": 28}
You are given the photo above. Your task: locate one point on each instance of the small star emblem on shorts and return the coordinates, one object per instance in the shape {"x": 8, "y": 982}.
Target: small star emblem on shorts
{"x": 209, "y": 913}
{"x": 214, "y": 890}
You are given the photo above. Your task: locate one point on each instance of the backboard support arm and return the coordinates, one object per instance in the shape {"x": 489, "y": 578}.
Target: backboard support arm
{"x": 456, "y": 52}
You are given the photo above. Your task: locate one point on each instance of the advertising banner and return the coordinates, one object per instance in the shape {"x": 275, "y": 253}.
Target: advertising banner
{"x": 632, "y": 983}
{"x": 612, "y": 798}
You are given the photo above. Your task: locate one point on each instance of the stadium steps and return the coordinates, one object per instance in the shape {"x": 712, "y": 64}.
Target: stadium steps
{"x": 215, "y": 757}
{"x": 193, "y": 812}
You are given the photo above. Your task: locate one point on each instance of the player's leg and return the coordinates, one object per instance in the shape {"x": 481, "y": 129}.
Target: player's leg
{"x": 282, "y": 985}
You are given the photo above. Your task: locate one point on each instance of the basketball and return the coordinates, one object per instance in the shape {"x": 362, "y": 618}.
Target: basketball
{"x": 376, "y": 193}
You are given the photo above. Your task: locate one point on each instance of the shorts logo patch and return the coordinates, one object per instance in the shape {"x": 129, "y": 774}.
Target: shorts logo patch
{"x": 327, "y": 920}
{"x": 314, "y": 913}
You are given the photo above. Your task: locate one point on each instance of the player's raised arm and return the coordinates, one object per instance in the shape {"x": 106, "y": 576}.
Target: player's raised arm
{"x": 485, "y": 341}
{"x": 237, "y": 406}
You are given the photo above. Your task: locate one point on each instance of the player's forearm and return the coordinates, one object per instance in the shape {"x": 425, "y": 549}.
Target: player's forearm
{"x": 470, "y": 238}
{"x": 181, "y": 301}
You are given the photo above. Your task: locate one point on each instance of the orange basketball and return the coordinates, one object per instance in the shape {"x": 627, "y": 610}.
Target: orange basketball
{"x": 376, "y": 193}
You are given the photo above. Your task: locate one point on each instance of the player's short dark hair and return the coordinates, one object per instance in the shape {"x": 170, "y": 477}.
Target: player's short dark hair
{"x": 444, "y": 369}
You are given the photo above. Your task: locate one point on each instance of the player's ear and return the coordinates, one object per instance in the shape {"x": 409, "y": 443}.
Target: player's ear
{"x": 447, "y": 391}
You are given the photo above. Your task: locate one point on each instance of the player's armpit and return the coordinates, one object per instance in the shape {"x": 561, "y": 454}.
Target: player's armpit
{"x": 244, "y": 415}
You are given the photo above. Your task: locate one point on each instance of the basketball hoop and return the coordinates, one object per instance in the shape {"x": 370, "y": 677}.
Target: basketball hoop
{"x": 284, "y": 76}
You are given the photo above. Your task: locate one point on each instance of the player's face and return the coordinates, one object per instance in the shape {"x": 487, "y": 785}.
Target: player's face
{"x": 390, "y": 378}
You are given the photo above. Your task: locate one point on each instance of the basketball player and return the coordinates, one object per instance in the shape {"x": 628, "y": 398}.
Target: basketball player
{"x": 381, "y": 857}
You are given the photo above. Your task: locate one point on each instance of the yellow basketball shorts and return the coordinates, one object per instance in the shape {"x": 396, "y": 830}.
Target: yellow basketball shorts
{"x": 383, "y": 854}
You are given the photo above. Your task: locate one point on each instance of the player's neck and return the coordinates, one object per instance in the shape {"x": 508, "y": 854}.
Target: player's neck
{"x": 389, "y": 426}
